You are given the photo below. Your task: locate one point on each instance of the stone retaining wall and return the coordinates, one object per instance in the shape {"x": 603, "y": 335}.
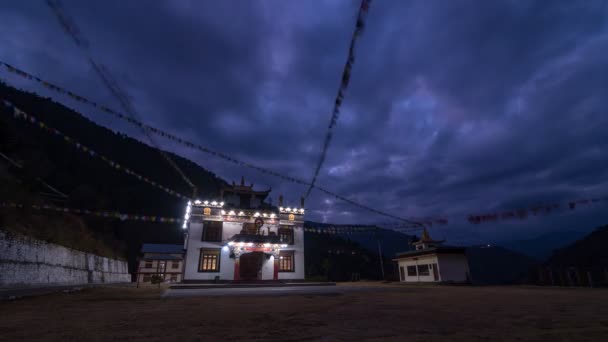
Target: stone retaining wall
{"x": 27, "y": 262}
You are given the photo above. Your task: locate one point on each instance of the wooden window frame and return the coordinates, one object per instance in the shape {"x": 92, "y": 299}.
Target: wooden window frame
{"x": 146, "y": 263}
{"x": 174, "y": 265}
{"x": 285, "y": 228}
{"x": 205, "y": 226}
{"x": 208, "y": 251}
{"x": 292, "y": 256}
{"x": 428, "y": 270}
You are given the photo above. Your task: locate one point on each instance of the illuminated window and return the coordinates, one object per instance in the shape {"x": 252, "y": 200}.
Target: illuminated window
{"x": 291, "y": 217}
{"x": 286, "y": 261}
{"x": 286, "y": 234}
{"x": 411, "y": 271}
{"x": 212, "y": 231}
{"x": 423, "y": 270}
{"x": 209, "y": 260}
{"x": 207, "y": 211}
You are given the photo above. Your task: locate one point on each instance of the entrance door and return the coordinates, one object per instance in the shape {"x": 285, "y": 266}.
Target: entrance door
{"x": 251, "y": 266}
{"x": 435, "y": 272}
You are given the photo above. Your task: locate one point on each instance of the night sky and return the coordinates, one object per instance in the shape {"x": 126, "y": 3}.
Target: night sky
{"x": 454, "y": 107}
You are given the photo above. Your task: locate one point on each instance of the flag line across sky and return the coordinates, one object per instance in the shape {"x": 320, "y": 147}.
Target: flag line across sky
{"x": 192, "y": 145}
{"x": 477, "y": 218}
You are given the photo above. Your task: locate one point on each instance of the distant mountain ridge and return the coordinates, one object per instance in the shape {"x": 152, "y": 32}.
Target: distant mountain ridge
{"x": 590, "y": 252}
{"x": 391, "y": 242}
{"x": 541, "y": 247}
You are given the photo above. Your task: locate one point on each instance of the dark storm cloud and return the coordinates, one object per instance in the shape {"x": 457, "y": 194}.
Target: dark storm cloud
{"x": 454, "y": 107}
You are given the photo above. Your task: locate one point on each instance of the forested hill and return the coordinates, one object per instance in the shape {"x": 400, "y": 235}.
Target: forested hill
{"x": 588, "y": 253}
{"x": 89, "y": 182}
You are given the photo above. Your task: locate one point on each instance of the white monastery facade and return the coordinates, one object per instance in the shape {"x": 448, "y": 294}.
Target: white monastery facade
{"x": 241, "y": 238}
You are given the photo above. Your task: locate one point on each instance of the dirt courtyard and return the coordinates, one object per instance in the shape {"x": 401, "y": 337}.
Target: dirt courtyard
{"x": 376, "y": 313}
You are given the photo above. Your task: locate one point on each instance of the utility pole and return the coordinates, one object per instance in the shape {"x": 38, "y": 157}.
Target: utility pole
{"x": 380, "y": 255}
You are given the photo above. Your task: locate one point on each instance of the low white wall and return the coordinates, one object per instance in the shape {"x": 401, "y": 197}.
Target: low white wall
{"x": 25, "y": 261}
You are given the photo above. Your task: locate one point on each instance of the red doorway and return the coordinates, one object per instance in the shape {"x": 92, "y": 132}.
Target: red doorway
{"x": 251, "y": 266}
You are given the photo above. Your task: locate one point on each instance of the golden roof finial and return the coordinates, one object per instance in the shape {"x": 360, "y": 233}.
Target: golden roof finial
{"x": 425, "y": 236}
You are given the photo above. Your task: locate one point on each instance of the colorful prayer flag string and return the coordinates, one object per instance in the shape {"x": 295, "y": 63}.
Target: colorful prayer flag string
{"x": 361, "y": 16}
{"x": 192, "y": 145}
{"x": 19, "y": 114}
{"x": 119, "y": 94}
{"x": 97, "y": 213}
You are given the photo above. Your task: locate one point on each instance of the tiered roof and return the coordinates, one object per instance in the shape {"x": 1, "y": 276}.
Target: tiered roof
{"x": 244, "y": 189}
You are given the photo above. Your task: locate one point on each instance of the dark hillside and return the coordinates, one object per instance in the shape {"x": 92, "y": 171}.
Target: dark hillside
{"x": 89, "y": 182}
{"x": 338, "y": 258}
{"x": 590, "y": 252}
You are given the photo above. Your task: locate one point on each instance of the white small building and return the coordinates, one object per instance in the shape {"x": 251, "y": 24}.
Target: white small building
{"x": 430, "y": 262}
{"x": 242, "y": 238}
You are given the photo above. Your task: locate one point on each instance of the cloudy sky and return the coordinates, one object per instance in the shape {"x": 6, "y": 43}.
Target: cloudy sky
{"x": 454, "y": 107}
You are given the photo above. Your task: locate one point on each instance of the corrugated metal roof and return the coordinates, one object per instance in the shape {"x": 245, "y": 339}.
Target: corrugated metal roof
{"x": 161, "y": 248}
